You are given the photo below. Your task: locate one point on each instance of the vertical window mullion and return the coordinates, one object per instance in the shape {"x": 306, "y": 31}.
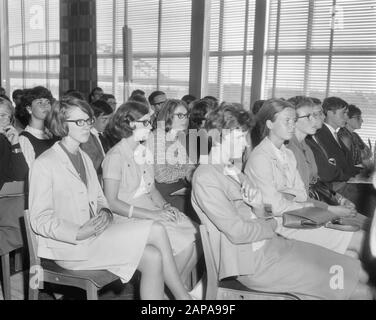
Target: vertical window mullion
{"x": 113, "y": 47}
{"x": 23, "y": 37}
{"x": 307, "y": 66}
{"x": 47, "y": 26}
{"x": 159, "y": 43}
{"x": 330, "y": 55}
{"x": 220, "y": 49}
{"x": 276, "y": 46}
{"x": 245, "y": 50}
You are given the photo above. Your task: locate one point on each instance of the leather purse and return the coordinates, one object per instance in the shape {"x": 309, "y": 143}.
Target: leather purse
{"x": 313, "y": 217}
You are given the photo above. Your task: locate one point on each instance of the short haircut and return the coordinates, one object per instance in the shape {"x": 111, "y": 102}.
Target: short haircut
{"x": 56, "y": 120}
{"x": 101, "y": 108}
{"x": 4, "y": 96}
{"x": 107, "y": 96}
{"x": 90, "y": 99}
{"x": 74, "y": 93}
{"x": 333, "y": 104}
{"x": 2, "y": 91}
{"x": 139, "y": 98}
{"x": 17, "y": 92}
{"x": 188, "y": 98}
{"x": 269, "y": 111}
{"x": 353, "y": 111}
{"x": 119, "y": 125}
{"x": 228, "y": 117}
{"x": 316, "y": 100}
{"x": 9, "y": 107}
{"x": 138, "y": 92}
{"x": 29, "y": 95}
{"x": 213, "y": 101}
{"x": 301, "y": 101}
{"x": 166, "y": 114}
{"x": 257, "y": 106}
{"x": 199, "y": 109}
{"x": 153, "y": 95}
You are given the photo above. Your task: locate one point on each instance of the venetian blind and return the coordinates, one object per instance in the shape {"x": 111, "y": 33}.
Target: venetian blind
{"x": 324, "y": 48}
{"x": 230, "y": 56}
{"x": 159, "y": 46}
{"x": 34, "y": 47}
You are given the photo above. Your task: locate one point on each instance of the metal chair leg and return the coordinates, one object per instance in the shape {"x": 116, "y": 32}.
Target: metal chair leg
{"x": 91, "y": 292}
{"x": 5, "y": 265}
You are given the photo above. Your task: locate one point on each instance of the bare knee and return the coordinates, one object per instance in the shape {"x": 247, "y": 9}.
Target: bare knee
{"x": 356, "y": 241}
{"x": 151, "y": 259}
{"x": 363, "y": 276}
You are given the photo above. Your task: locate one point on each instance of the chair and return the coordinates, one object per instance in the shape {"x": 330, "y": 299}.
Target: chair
{"x": 230, "y": 289}
{"x": 47, "y": 271}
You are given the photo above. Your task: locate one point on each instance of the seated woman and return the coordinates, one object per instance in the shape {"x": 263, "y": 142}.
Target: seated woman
{"x": 273, "y": 168}
{"x": 73, "y": 221}
{"x": 173, "y": 169}
{"x": 359, "y": 150}
{"x": 245, "y": 245}
{"x": 13, "y": 167}
{"x": 129, "y": 184}
{"x": 306, "y": 164}
{"x": 36, "y": 138}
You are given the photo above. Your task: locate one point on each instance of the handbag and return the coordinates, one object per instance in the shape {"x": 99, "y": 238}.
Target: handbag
{"x": 313, "y": 217}
{"x": 321, "y": 192}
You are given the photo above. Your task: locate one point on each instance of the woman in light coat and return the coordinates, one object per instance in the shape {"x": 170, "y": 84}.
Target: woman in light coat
{"x": 243, "y": 239}
{"x": 273, "y": 168}
{"x": 72, "y": 219}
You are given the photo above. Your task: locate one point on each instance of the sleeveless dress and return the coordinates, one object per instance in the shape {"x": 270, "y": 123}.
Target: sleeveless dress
{"x": 136, "y": 180}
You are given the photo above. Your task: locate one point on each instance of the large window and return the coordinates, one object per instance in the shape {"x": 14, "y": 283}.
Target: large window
{"x": 324, "y": 48}
{"x": 33, "y": 28}
{"x": 230, "y": 56}
{"x": 157, "y": 50}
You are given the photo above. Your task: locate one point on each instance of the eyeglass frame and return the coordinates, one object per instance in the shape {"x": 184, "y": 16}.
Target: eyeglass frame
{"x": 315, "y": 115}
{"x": 181, "y": 115}
{"x": 92, "y": 120}
{"x": 146, "y": 123}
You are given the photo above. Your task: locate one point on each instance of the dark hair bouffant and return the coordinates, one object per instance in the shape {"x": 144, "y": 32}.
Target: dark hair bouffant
{"x": 119, "y": 125}
{"x": 56, "y": 120}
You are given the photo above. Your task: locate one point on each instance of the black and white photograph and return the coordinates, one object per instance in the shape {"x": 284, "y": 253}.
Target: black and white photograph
{"x": 210, "y": 151}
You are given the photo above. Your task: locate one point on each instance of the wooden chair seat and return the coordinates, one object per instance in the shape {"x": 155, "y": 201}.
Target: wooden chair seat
{"x": 89, "y": 280}
{"x": 59, "y": 275}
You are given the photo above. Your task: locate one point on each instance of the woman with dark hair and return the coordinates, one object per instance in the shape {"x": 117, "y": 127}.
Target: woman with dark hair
{"x": 36, "y": 138}
{"x": 173, "y": 169}
{"x": 273, "y": 168}
{"x": 128, "y": 175}
{"x": 72, "y": 219}
{"x": 359, "y": 150}
{"x": 244, "y": 244}
{"x": 95, "y": 94}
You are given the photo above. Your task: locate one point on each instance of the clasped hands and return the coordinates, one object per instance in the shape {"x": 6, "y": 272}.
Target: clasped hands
{"x": 96, "y": 225}
{"x": 169, "y": 213}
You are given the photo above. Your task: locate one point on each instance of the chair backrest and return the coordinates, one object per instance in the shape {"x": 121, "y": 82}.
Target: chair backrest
{"x": 211, "y": 267}
{"x": 31, "y": 240}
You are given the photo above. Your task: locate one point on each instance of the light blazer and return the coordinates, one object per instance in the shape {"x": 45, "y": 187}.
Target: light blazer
{"x": 59, "y": 203}
{"x": 234, "y": 231}
{"x": 280, "y": 183}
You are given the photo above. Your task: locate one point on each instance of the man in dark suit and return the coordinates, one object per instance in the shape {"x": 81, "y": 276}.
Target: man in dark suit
{"x": 333, "y": 159}
{"x": 96, "y": 147}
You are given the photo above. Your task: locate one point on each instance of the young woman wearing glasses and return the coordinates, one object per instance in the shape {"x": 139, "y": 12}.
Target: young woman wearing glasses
{"x": 73, "y": 221}
{"x": 128, "y": 174}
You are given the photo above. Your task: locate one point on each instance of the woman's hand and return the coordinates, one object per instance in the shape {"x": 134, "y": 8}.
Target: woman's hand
{"x": 342, "y": 211}
{"x": 95, "y": 226}
{"x": 251, "y": 195}
{"x": 11, "y": 134}
{"x": 347, "y": 203}
{"x": 164, "y": 215}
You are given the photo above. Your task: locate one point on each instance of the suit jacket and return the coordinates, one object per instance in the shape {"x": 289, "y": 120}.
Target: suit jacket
{"x": 234, "y": 231}
{"x": 94, "y": 151}
{"x": 327, "y": 170}
{"x": 59, "y": 204}
{"x": 279, "y": 181}
{"x": 339, "y": 152}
